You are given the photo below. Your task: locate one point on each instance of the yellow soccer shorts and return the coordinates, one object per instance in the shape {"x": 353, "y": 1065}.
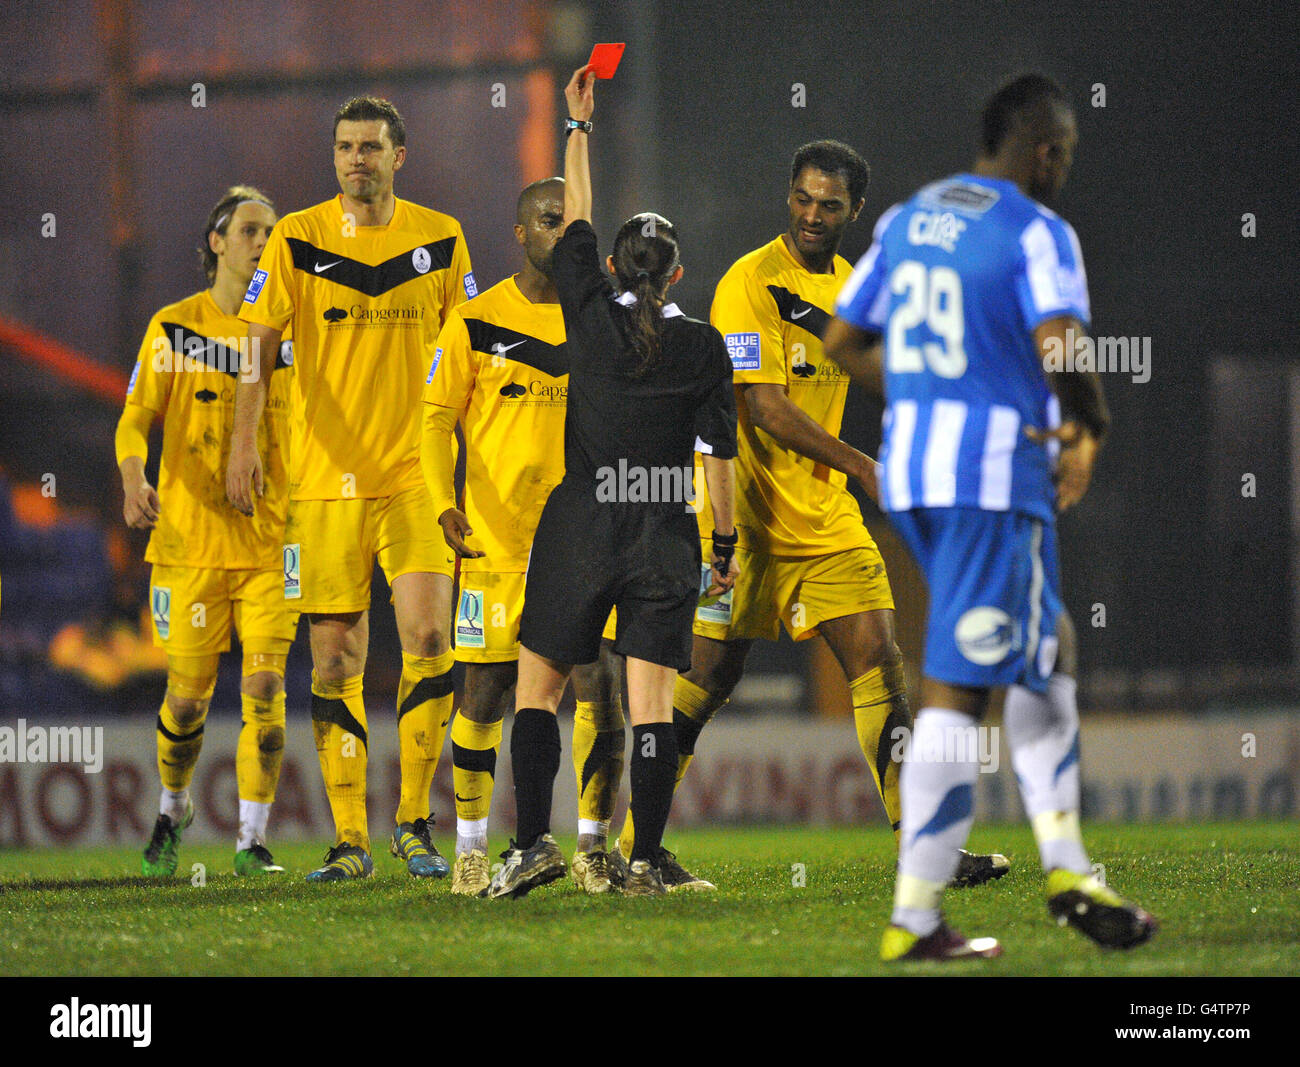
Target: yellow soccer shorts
{"x": 195, "y": 609}
{"x": 799, "y": 592}
{"x": 487, "y": 616}
{"x": 330, "y": 548}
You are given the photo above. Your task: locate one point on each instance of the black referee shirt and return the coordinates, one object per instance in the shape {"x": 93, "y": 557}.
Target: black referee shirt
{"x": 684, "y": 404}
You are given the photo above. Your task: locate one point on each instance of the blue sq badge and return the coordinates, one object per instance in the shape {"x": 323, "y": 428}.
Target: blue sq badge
{"x": 255, "y": 287}
{"x": 744, "y": 350}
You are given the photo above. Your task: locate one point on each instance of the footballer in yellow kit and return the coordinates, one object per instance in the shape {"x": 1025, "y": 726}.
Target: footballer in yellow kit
{"x": 214, "y": 570}
{"x": 807, "y": 561}
{"x": 501, "y": 370}
{"x": 366, "y": 281}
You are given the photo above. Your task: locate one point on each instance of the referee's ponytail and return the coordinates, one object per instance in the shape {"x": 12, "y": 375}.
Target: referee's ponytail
{"x": 645, "y": 256}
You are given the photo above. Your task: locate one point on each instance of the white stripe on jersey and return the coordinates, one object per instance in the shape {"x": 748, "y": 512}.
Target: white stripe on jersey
{"x": 1053, "y": 423}
{"x": 995, "y": 465}
{"x": 1080, "y": 275}
{"x": 902, "y": 428}
{"x": 1042, "y": 266}
{"x": 939, "y": 465}
{"x": 863, "y": 270}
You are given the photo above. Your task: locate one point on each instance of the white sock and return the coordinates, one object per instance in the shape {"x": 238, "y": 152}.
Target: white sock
{"x": 471, "y": 835}
{"x": 593, "y": 828}
{"x": 173, "y": 805}
{"x": 252, "y": 824}
{"x": 1043, "y": 732}
{"x": 937, "y": 789}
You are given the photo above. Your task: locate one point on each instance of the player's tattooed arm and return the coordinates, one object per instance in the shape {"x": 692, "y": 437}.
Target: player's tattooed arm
{"x": 1085, "y": 416}
{"x": 244, "y": 468}
{"x": 774, "y": 413}
{"x": 860, "y": 353}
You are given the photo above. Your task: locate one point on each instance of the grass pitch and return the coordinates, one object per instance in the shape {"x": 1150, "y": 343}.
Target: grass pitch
{"x": 1224, "y": 894}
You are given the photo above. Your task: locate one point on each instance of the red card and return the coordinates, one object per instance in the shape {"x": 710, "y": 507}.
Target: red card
{"x": 604, "y": 59}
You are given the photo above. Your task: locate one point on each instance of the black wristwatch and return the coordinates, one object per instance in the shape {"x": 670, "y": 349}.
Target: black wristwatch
{"x": 724, "y": 546}
{"x": 576, "y": 124}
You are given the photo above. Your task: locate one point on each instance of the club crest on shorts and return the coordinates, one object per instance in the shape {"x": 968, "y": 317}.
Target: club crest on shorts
{"x": 161, "y": 604}
{"x": 715, "y": 609}
{"x": 984, "y": 635}
{"x": 292, "y": 572}
{"x": 469, "y": 619}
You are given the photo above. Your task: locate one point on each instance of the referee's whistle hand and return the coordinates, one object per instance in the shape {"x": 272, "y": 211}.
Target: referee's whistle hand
{"x": 722, "y": 581}
{"x": 455, "y": 528}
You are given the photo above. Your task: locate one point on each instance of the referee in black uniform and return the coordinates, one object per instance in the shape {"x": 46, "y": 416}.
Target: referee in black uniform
{"x": 648, "y": 387}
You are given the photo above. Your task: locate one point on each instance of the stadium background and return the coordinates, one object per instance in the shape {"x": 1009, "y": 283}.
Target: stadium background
{"x": 113, "y": 167}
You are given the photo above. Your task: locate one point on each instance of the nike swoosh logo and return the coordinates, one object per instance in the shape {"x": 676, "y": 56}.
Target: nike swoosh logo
{"x": 465, "y": 800}
{"x": 501, "y": 349}
{"x": 326, "y": 266}
{"x": 800, "y": 314}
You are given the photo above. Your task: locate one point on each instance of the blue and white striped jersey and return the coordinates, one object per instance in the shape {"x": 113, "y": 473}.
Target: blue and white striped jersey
{"x": 957, "y": 279}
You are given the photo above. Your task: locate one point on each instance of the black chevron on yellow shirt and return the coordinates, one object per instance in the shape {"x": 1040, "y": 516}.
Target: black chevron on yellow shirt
{"x": 371, "y": 280}
{"x": 494, "y": 340}
{"x": 208, "y": 350}
{"x": 797, "y": 311}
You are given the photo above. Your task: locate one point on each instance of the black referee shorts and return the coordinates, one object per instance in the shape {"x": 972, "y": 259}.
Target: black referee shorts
{"x": 589, "y": 557}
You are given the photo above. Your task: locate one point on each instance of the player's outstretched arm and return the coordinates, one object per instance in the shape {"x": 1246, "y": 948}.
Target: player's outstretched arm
{"x": 860, "y": 353}
{"x": 719, "y": 476}
{"x": 244, "y": 468}
{"x": 1085, "y": 416}
{"x": 140, "y": 505}
{"x": 774, "y": 413}
{"x": 579, "y": 96}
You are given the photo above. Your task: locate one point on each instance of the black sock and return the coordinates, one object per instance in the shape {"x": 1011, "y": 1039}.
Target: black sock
{"x": 653, "y": 775}
{"x": 688, "y": 732}
{"x": 535, "y": 759}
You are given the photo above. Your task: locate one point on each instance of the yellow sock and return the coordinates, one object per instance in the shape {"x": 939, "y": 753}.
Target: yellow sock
{"x": 261, "y": 748}
{"x": 474, "y": 748}
{"x": 424, "y": 700}
{"x": 178, "y": 749}
{"x": 598, "y": 739}
{"x": 338, "y": 719}
{"x": 880, "y": 709}
{"x": 693, "y": 707}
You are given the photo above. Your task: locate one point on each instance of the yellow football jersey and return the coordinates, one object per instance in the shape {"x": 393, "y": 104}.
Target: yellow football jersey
{"x": 365, "y": 304}
{"x": 501, "y": 363}
{"x": 772, "y": 313}
{"x": 187, "y": 370}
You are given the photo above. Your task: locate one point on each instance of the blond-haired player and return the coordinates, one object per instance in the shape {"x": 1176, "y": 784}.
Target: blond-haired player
{"x": 214, "y": 570}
